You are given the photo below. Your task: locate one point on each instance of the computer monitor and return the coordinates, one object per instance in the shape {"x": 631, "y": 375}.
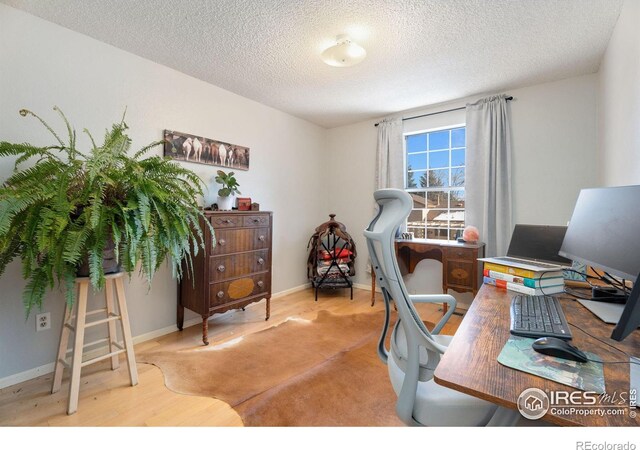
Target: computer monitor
{"x": 603, "y": 233}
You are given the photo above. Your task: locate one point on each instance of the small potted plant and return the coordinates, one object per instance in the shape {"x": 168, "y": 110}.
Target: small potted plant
{"x": 229, "y": 189}
{"x": 72, "y": 212}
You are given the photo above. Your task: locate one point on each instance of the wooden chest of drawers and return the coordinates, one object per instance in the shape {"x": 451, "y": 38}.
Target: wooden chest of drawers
{"x": 234, "y": 272}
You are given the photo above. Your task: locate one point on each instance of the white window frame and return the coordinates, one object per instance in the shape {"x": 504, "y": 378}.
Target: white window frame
{"x": 438, "y": 188}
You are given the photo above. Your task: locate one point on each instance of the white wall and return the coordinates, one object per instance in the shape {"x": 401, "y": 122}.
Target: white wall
{"x": 351, "y": 186}
{"x": 619, "y": 102}
{"x": 554, "y": 148}
{"x": 554, "y": 156}
{"x": 44, "y": 65}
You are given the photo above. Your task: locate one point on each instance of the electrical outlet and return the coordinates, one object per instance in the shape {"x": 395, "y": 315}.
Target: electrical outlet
{"x": 43, "y": 321}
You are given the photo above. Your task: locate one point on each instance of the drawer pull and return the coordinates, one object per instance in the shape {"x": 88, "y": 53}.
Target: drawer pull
{"x": 256, "y": 220}
{"x": 260, "y": 283}
{"x": 221, "y": 242}
{"x": 221, "y": 268}
{"x": 220, "y": 294}
{"x": 260, "y": 261}
{"x": 226, "y": 221}
{"x": 261, "y": 237}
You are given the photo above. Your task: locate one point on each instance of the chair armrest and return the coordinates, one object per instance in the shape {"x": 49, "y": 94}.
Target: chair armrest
{"x": 437, "y": 298}
{"x": 434, "y": 298}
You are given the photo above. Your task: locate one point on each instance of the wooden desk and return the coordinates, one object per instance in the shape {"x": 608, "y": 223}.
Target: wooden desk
{"x": 460, "y": 269}
{"x": 470, "y": 363}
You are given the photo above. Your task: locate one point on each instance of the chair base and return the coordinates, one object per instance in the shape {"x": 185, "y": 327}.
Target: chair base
{"x": 439, "y": 406}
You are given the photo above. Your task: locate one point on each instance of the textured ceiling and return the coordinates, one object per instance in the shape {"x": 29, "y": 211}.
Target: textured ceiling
{"x": 419, "y": 52}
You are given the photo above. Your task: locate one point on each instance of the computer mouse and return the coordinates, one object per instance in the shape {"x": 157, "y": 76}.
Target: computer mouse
{"x": 559, "y": 348}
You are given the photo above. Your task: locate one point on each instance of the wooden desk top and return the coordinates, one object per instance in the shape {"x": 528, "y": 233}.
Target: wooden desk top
{"x": 470, "y": 363}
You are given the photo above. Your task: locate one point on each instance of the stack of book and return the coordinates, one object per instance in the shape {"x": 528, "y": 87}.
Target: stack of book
{"x": 522, "y": 280}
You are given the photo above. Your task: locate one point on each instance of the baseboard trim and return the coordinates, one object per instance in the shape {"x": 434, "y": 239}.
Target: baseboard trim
{"x": 366, "y": 287}
{"x": 26, "y": 375}
{"x": 166, "y": 330}
{"x": 302, "y": 287}
{"x": 50, "y": 367}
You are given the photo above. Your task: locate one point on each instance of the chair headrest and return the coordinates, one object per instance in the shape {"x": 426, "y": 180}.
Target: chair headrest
{"x": 395, "y": 206}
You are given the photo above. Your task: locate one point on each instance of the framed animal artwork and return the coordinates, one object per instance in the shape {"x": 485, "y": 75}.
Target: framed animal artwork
{"x": 196, "y": 149}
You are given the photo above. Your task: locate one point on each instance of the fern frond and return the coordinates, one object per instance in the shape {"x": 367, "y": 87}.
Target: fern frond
{"x": 149, "y": 259}
{"x": 70, "y": 131}
{"x": 96, "y": 271}
{"x": 8, "y": 251}
{"x": 74, "y": 246}
{"x": 8, "y": 209}
{"x": 146, "y": 148}
{"x": 34, "y": 292}
{"x": 144, "y": 208}
{"x": 70, "y": 284}
{"x": 116, "y": 235}
{"x": 93, "y": 142}
{"x": 26, "y": 112}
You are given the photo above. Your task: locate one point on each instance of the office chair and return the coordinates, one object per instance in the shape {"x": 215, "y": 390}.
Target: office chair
{"x": 415, "y": 351}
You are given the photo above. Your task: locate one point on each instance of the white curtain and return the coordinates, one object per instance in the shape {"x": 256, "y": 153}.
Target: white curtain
{"x": 488, "y": 174}
{"x": 390, "y": 160}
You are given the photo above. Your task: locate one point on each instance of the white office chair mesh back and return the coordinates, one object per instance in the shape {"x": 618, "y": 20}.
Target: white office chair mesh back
{"x": 394, "y": 207}
{"x": 420, "y": 400}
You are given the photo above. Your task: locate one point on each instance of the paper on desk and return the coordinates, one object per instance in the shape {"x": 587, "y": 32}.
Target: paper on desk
{"x": 518, "y": 354}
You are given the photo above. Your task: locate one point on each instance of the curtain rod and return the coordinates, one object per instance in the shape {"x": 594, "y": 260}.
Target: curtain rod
{"x": 440, "y": 112}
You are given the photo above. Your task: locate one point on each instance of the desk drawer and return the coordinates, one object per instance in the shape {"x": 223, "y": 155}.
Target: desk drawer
{"x": 460, "y": 274}
{"x": 462, "y": 254}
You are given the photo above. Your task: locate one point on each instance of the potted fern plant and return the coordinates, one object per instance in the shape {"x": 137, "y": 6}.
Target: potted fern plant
{"x": 229, "y": 188}
{"x": 67, "y": 212}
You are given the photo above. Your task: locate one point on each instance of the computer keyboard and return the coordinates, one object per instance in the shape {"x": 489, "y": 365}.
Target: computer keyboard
{"x": 537, "y": 316}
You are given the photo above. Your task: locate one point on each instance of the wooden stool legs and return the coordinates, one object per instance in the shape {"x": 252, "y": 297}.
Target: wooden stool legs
{"x": 126, "y": 332}
{"x": 78, "y": 344}
{"x": 113, "y": 337}
{"x": 79, "y": 326}
{"x": 62, "y": 349}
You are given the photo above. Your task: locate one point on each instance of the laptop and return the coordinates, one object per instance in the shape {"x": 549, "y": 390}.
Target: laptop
{"x": 535, "y": 248}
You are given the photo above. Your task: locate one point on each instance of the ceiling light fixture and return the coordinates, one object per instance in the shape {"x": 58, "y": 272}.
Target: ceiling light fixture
{"x": 344, "y": 54}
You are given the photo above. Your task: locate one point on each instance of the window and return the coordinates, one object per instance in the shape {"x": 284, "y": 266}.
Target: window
{"x": 435, "y": 179}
